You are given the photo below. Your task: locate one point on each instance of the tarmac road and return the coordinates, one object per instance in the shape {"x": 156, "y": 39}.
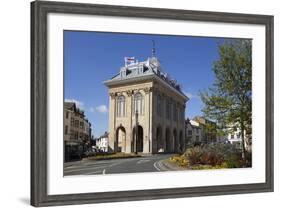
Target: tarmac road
{"x": 151, "y": 163}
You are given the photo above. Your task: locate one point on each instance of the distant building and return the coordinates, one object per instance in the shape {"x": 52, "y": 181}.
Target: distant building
{"x": 209, "y": 129}
{"x": 102, "y": 142}
{"x": 146, "y": 109}
{"x": 234, "y": 137}
{"x": 222, "y": 139}
{"x": 194, "y": 132}
{"x": 77, "y": 131}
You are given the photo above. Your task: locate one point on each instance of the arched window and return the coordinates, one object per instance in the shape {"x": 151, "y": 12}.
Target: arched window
{"x": 175, "y": 112}
{"x": 159, "y": 105}
{"x": 168, "y": 109}
{"x": 138, "y": 103}
{"x": 121, "y": 106}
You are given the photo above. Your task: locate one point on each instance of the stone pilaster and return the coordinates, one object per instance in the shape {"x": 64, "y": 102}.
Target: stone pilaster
{"x": 129, "y": 138}
{"x": 111, "y": 126}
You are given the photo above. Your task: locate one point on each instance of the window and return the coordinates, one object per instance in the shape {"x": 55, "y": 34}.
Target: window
{"x": 67, "y": 113}
{"x": 168, "y": 109}
{"x": 81, "y": 125}
{"x": 77, "y": 123}
{"x": 197, "y": 131}
{"x": 66, "y": 130}
{"x": 232, "y": 136}
{"x": 138, "y": 103}
{"x": 189, "y": 132}
{"x": 175, "y": 112}
{"x": 159, "y": 105}
{"x": 121, "y": 106}
{"x": 72, "y": 122}
{"x": 181, "y": 116}
{"x": 238, "y": 135}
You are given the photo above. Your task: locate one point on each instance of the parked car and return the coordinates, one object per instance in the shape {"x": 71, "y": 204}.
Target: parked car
{"x": 89, "y": 153}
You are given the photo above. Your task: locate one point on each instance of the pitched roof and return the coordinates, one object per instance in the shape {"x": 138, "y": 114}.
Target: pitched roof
{"x": 72, "y": 106}
{"x": 69, "y": 105}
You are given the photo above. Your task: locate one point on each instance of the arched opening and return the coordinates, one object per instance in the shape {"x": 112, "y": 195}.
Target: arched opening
{"x": 138, "y": 139}
{"x": 168, "y": 147}
{"x": 120, "y": 139}
{"x": 176, "y": 142}
{"x": 182, "y": 147}
{"x": 159, "y": 139}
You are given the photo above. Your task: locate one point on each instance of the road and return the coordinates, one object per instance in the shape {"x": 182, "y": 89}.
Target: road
{"x": 127, "y": 165}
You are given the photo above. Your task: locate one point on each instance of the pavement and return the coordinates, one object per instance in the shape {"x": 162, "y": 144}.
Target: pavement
{"x": 151, "y": 163}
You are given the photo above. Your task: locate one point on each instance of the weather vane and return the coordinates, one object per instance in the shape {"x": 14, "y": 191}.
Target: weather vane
{"x": 153, "y": 48}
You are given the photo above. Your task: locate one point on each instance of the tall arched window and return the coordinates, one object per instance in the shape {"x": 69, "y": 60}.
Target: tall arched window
{"x": 121, "y": 106}
{"x": 138, "y": 103}
{"x": 159, "y": 105}
{"x": 175, "y": 112}
{"x": 168, "y": 109}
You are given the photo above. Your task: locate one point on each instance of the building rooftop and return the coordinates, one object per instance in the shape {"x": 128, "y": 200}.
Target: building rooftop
{"x": 194, "y": 123}
{"x": 105, "y": 135}
{"x": 72, "y": 106}
{"x": 135, "y": 69}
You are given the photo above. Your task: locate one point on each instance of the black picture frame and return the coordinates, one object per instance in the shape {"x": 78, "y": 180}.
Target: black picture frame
{"x": 39, "y": 12}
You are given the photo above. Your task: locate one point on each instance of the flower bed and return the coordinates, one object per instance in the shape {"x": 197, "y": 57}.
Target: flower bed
{"x": 212, "y": 156}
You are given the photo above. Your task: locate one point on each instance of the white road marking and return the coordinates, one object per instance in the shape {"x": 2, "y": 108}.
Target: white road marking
{"x": 159, "y": 166}
{"x": 155, "y": 166}
{"x": 142, "y": 161}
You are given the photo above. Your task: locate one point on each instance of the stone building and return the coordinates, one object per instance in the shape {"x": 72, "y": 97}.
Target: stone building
{"x": 146, "y": 109}
{"x": 209, "y": 129}
{"x": 77, "y": 131}
{"x": 194, "y": 132}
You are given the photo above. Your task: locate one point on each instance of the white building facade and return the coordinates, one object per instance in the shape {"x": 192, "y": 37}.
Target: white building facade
{"x": 102, "y": 143}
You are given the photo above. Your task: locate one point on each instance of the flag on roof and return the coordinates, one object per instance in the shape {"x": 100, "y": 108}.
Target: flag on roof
{"x": 129, "y": 60}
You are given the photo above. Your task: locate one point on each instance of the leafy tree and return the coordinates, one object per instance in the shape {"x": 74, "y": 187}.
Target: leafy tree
{"x": 229, "y": 100}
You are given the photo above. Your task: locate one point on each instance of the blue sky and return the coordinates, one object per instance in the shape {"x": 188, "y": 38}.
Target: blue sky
{"x": 93, "y": 57}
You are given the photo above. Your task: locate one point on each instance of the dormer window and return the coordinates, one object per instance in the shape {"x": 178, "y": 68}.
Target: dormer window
{"x": 123, "y": 73}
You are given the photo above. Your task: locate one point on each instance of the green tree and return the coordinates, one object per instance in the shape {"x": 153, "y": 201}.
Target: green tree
{"x": 229, "y": 100}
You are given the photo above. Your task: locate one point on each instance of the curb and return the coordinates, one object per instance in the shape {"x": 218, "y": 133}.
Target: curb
{"x": 171, "y": 166}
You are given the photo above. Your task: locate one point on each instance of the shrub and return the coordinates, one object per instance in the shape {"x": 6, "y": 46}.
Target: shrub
{"x": 180, "y": 160}
{"x": 211, "y": 158}
{"x": 214, "y": 156}
{"x": 232, "y": 161}
{"x": 194, "y": 155}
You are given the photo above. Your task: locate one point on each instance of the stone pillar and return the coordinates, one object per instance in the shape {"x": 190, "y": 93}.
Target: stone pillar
{"x": 147, "y": 127}
{"x": 111, "y": 126}
{"x": 129, "y": 137}
{"x": 183, "y": 129}
{"x": 151, "y": 110}
{"x": 148, "y": 104}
